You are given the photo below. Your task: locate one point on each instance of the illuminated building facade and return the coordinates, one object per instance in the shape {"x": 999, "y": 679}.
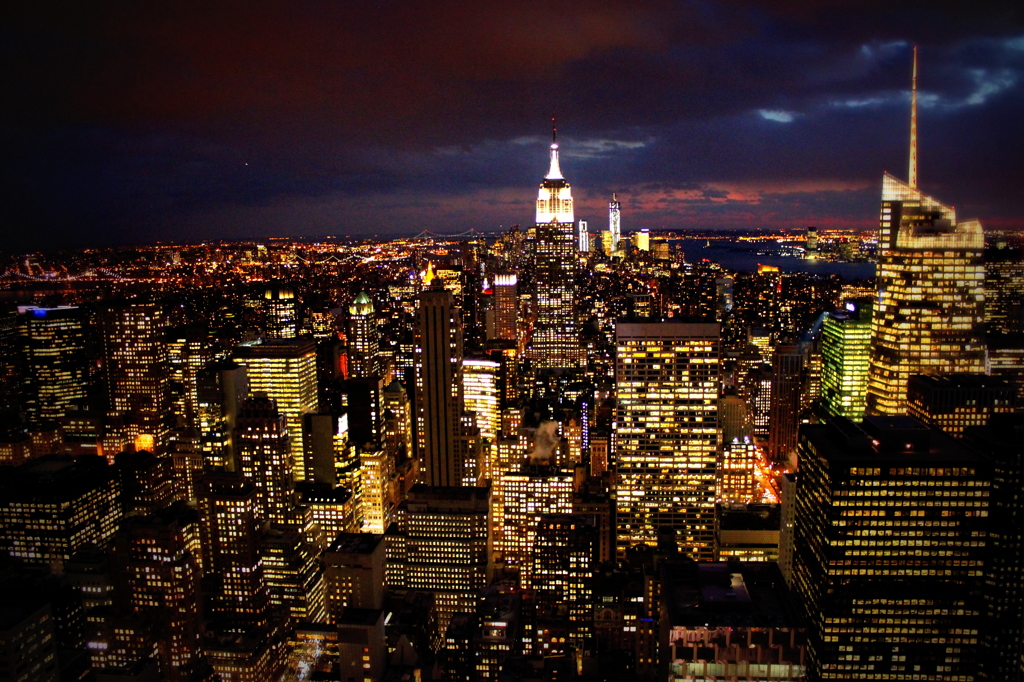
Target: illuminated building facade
{"x": 642, "y": 239}
{"x": 737, "y": 472}
{"x": 788, "y": 374}
{"x": 53, "y": 505}
{"x": 666, "y": 433}
{"x": 614, "y": 223}
{"x": 189, "y": 351}
{"x": 354, "y": 572}
{"x": 506, "y": 307}
{"x": 376, "y": 486}
{"x": 281, "y": 311}
{"x": 480, "y": 394}
{"x": 890, "y": 551}
{"x": 443, "y": 546}
{"x": 264, "y": 456}
{"x": 284, "y": 370}
{"x": 230, "y": 531}
{"x": 582, "y": 237}
{"x": 845, "y": 349}
{"x": 364, "y": 358}
{"x": 439, "y": 389}
{"x": 137, "y": 371}
{"x": 52, "y": 349}
{"x": 556, "y": 336}
{"x": 158, "y": 572}
{"x": 538, "y": 488}
{"x": 1004, "y": 290}
{"x": 954, "y": 402}
{"x": 930, "y": 296}
{"x": 931, "y": 289}
{"x": 292, "y": 567}
{"x": 564, "y": 557}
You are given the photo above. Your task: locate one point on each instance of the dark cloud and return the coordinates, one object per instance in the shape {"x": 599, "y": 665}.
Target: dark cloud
{"x": 128, "y": 121}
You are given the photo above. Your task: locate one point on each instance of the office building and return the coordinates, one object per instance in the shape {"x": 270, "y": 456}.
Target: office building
{"x": 157, "y": 576}
{"x": 737, "y": 472}
{"x": 954, "y": 402}
{"x": 52, "y": 506}
{"x": 539, "y": 487}
{"x": 506, "y": 307}
{"x": 442, "y": 545}
{"x": 556, "y": 336}
{"x": 747, "y": 532}
{"x": 54, "y": 374}
{"x": 280, "y": 308}
{"x": 480, "y": 394}
{"x": 845, "y": 349}
{"x": 788, "y": 377}
{"x": 135, "y": 361}
{"x": 364, "y": 359}
{"x": 354, "y": 572}
{"x": 189, "y": 351}
{"x": 292, "y": 568}
{"x": 264, "y": 456}
{"x": 285, "y": 371}
{"x": 666, "y": 433}
{"x": 890, "y": 550}
{"x": 564, "y": 558}
{"x": 582, "y": 237}
{"x": 28, "y": 648}
{"x": 1004, "y": 289}
{"x": 231, "y": 535}
{"x": 439, "y": 390}
{"x": 1001, "y": 443}
{"x": 931, "y": 290}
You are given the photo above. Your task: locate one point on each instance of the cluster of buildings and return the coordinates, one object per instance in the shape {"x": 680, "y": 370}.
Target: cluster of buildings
{"x": 546, "y": 457}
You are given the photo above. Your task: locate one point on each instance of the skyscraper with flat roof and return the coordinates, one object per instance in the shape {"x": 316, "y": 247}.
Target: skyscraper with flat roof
{"x": 666, "y": 433}
{"x": 845, "y": 348}
{"x": 137, "y": 370}
{"x": 285, "y": 371}
{"x": 52, "y": 345}
{"x": 890, "y": 550}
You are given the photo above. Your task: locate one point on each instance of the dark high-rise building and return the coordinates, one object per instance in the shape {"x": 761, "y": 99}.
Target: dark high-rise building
{"x": 784, "y": 413}
{"x": 52, "y": 349}
{"x": 954, "y": 402}
{"x": 931, "y": 290}
{"x": 556, "y": 335}
{"x": 147, "y": 481}
{"x": 890, "y": 550}
{"x": 52, "y": 506}
{"x": 1002, "y": 444}
{"x": 137, "y": 370}
{"x": 666, "y": 433}
{"x": 439, "y": 390}
{"x": 157, "y": 575}
{"x": 233, "y": 578}
{"x": 1004, "y": 290}
{"x": 564, "y": 558}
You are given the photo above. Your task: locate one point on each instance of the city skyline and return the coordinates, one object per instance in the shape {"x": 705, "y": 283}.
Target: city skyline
{"x": 304, "y": 121}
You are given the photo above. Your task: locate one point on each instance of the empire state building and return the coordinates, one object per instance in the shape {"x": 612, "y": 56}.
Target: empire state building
{"x": 556, "y": 338}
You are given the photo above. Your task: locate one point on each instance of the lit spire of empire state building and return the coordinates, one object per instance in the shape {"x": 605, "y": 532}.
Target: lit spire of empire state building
{"x": 556, "y": 339}
{"x": 931, "y": 274}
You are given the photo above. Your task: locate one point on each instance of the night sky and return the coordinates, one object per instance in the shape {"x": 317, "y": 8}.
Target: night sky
{"x": 132, "y": 122}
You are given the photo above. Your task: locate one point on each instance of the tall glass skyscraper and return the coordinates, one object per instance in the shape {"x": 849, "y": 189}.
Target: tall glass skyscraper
{"x": 666, "y": 433}
{"x": 845, "y": 346}
{"x": 931, "y": 289}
